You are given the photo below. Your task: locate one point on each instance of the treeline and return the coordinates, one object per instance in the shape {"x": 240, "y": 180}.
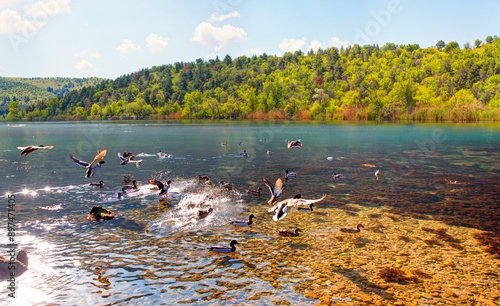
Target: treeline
{"x": 28, "y": 91}
{"x": 359, "y": 82}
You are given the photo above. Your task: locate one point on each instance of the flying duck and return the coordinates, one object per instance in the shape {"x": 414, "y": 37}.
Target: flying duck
{"x": 227, "y": 186}
{"x": 204, "y": 213}
{"x": 284, "y": 207}
{"x": 224, "y": 249}
{"x": 163, "y": 188}
{"x": 125, "y": 160}
{"x": 94, "y": 165}
{"x": 19, "y": 266}
{"x": 243, "y": 222}
{"x": 276, "y": 190}
{"x": 351, "y": 230}
{"x": 290, "y": 174}
{"x": 295, "y": 143}
{"x": 27, "y": 150}
{"x": 288, "y": 233}
{"x": 100, "y": 184}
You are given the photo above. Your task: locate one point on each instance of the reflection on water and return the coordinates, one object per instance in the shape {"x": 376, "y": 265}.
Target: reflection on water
{"x": 438, "y": 188}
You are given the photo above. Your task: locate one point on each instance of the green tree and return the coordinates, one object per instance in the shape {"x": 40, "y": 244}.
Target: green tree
{"x": 489, "y": 39}
{"x": 478, "y": 43}
{"x": 440, "y": 45}
{"x": 453, "y": 45}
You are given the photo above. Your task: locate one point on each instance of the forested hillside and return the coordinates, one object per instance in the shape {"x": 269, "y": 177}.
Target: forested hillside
{"x": 360, "y": 82}
{"x": 27, "y": 91}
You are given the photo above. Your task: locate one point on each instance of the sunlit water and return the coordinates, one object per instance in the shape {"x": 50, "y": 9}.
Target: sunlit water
{"x": 433, "y": 176}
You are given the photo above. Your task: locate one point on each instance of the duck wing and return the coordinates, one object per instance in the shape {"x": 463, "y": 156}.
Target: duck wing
{"x": 156, "y": 183}
{"x": 297, "y": 202}
{"x": 123, "y": 160}
{"x": 43, "y": 147}
{"x": 278, "y": 188}
{"x": 278, "y": 205}
{"x": 100, "y": 155}
{"x": 282, "y": 210}
{"x": 80, "y": 162}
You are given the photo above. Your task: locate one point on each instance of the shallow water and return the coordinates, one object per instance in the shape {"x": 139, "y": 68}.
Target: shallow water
{"x": 433, "y": 176}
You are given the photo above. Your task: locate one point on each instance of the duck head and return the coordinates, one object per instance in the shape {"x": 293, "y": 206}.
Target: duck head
{"x": 233, "y": 242}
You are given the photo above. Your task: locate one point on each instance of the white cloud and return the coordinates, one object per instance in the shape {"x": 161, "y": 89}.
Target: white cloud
{"x": 291, "y": 45}
{"x": 218, "y": 17}
{"x": 36, "y": 14}
{"x": 256, "y": 51}
{"x": 315, "y": 45}
{"x": 83, "y": 64}
{"x": 207, "y": 34}
{"x": 11, "y": 21}
{"x": 336, "y": 42}
{"x": 127, "y": 46}
{"x": 1, "y": 66}
{"x": 156, "y": 43}
{"x": 48, "y": 7}
{"x": 95, "y": 54}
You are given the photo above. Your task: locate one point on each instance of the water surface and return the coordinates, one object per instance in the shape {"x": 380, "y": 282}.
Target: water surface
{"x": 433, "y": 176}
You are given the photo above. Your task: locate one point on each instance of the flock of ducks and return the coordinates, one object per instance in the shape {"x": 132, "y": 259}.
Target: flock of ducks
{"x": 281, "y": 209}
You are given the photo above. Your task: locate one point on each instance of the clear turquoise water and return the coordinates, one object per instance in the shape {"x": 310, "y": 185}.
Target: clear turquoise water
{"x": 152, "y": 255}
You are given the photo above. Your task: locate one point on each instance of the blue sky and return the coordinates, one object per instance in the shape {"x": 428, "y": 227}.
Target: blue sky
{"x": 109, "y": 38}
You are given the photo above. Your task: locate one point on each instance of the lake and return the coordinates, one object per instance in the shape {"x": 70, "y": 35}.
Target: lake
{"x": 438, "y": 191}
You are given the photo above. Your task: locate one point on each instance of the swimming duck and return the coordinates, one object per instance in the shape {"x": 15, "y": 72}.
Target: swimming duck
{"x": 204, "y": 213}
{"x": 337, "y": 175}
{"x": 224, "y": 249}
{"x": 295, "y": 143}
{"x": 224, "y": 144}
{"x": 290, "y": 174}
{"x": 100, "y": 184}
{"x": 310, "y": 208}
{"x": 284, "y": 207}
{"x": 94, "y": 165}
{"x": 227, "y": 186}
{"x": 377, "y": 173}
{"x": 257, "y": 192}
{"x": 162, "y": 154}
{"x": 131, "y": 187}
{"x": 276, "y": 190}
{"x": 163, "y": 188}
{"x": 351, "y": 230}
{"x": 288, "y": 233}
{"x": 244, "y": 153}
{"x": 19, "y": 266}
{"x": 243, "y": 222}
{"x": 208, "y": 183}
{"x": 27, "y": 150}
{"x": 97, "y": 213}
{"x": 203, "y": 178}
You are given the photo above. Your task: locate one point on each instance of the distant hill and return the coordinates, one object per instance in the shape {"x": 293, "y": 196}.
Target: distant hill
{"x": 29, "y": 91}
{"x": 406, "y": 82}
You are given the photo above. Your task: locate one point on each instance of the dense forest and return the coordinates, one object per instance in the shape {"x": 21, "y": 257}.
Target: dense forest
{"x": 28, "y": 91}
{"x": 404, "y": 82}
